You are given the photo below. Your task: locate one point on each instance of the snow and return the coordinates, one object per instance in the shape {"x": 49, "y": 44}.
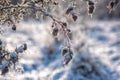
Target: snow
{"x": 98, "y": 59}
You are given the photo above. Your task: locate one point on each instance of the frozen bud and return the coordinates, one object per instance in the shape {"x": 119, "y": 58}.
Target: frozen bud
{"x": 25, "y": 46}
{"x": 64, "y": 24}
{"x": 55, "y": 31}
{"x": 69, "y": 9}
{"x": 64, "y": 51}
{"x": 91, "y": 9}
{"x": 5, "y": 65}
{"x": 21, "y": 49}
{"x": 67, "y": 58}
{"x": 13, "y": 56}
{"x": 14, "y": 27}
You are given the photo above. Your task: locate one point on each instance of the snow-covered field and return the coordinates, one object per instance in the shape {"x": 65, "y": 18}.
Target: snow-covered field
{"x": 98, "y": 59}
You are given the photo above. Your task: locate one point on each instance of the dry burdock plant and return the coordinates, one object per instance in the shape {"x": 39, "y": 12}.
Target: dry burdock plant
{"x": 14, "y": 11}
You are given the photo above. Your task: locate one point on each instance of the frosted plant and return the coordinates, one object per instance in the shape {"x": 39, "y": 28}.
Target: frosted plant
{"x": 12, "y": 12}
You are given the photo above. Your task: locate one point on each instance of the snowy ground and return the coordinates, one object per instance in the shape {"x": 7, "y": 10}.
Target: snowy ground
{"x": 99, "y": 59}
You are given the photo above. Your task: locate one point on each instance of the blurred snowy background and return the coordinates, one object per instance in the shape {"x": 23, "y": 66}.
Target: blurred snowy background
{"x": 96, "y": 45}
{"x": 99, "y": 59}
